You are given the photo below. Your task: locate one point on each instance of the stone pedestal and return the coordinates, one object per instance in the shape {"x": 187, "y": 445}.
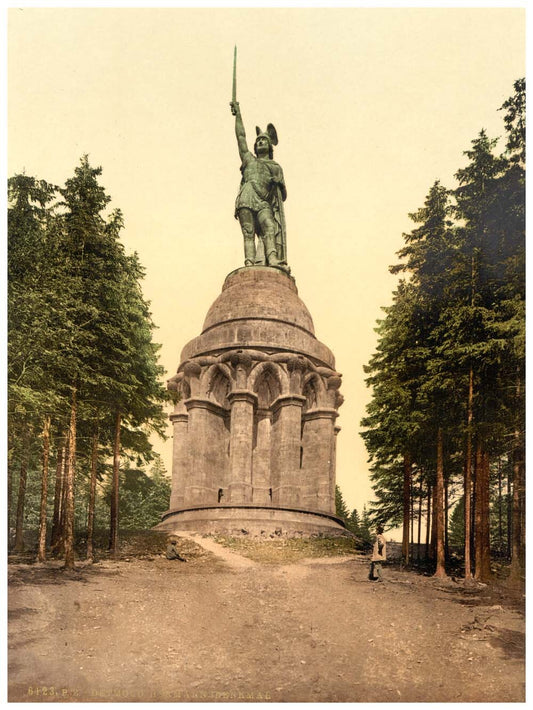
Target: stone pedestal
{"x": 254, "y": 426}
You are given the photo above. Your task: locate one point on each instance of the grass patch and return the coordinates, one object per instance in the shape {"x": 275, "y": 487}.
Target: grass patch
{"x": 286, "y": 550}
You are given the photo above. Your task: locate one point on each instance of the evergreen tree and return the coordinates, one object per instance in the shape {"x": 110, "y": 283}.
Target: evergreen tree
{"x": 122, "y": 374}
{"x": 33, "y": 329}
{"x": 354, "y": 523}
{"x": 448, "y": 373}
{"x": 341, "y": 509}
{"x": 82, "y": 364}
{"x": 365, "y": 528}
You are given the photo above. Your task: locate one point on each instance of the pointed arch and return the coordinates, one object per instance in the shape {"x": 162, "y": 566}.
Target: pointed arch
{"x": 215, "y": 384}
{"x": 314, "y": 391}
{"x": 268, "y": 380}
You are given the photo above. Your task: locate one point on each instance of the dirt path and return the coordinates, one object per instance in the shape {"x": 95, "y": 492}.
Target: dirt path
{"x": 232, "y": 559}
{"x": 225, "y": 629}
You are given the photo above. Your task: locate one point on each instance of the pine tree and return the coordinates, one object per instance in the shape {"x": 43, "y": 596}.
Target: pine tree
{"x": 365, "y": 527}
{"x": 448, "y": 374}
{"x": 354, "y": 523}
{"x": 474, "y": 346}
{"x": 81, "y": 355}
{"x": 341, "y": 509}
{"x": 121, "y": 374}
{"x": 512, "y": 304}
{"x": 32, "y": 332}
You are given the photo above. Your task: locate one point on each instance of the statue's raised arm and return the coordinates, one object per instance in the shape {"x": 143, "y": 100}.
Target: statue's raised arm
{"x": 259, "y": 204}
{"x": 239, "y": 129}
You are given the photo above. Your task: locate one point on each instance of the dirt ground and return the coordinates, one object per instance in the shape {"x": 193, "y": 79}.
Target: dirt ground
{"x": 223, "y": 627}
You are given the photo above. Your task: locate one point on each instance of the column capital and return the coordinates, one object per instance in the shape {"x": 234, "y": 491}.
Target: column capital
{"x": 286, "y": 400}
{"x": 178, "y": 417}
{"x": 322, "y": 413}
{"x": 242, "y": 396}
{"x": 198, "y": 403}
{"x": 262, "y": 412}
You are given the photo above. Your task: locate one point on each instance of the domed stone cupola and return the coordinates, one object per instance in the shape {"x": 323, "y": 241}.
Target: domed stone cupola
{"x": 254, "y": 425}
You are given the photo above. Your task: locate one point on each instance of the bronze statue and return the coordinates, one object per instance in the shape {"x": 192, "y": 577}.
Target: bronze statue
{"x": 259, "y": 204}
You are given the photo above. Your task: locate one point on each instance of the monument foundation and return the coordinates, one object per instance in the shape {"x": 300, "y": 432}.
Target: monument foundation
{"x": 255, "y": 421}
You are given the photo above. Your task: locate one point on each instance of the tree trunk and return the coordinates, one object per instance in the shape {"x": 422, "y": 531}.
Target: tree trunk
{"x": 58, "y": 494}
{"x": 433, "y": 543}
{"x": 9, "y": 499}
{"x": 58, "y": 546}
{"x": 468, "y": 478}
{"x": 500, "y": 508}
{"x": 429, "y": 521}
{"x": 509, "y": 515}
{"x": 92, "y": 499}
{"x": 412, "y": 514}
{"x": 517, "y": 527}
{"x": 440, "y": 570}
{"x": 482, "y": 547}
{"x": 12, "y": 445}
{"x": 69, "y": 486}
{"x": 485, "y": 518}
{"x": 419, "y": 539}
{"x": 522, "y": 501}
{"x": 21, "y": 500}
{"x": 473, "y": 509}
{"x": 9, "y": 496}
{"x": 41, "y": 550}
{"x": 63, "y": 507}
{"x": 446, "y": 524}
{"x": 113, "y": 532}
{"x": 478, "y": 479}
{"x": 406, "y": 506}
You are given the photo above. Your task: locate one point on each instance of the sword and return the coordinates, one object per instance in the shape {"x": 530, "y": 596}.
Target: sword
{"x": 234, "y": 90}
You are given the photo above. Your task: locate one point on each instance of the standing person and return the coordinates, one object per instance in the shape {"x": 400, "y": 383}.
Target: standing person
{"x": 379, "y": 555}
{"x": 259, "y": 204}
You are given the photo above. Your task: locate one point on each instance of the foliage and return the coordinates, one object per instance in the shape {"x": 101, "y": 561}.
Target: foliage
{"x": 356, "y": 524}
{"x": 80, "y": 340}
{"x": 449, "y": 363}
{"x": 143, "y": 497}
{"x": 341, "y": 509}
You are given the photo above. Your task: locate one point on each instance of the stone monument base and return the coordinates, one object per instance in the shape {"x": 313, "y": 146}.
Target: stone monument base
{"x": 254, "y": 422}
{"x": 254, "y": 520}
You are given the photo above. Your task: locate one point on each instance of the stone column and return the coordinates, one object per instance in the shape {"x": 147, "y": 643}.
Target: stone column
{"x": 241, "y": 432}
{"x": 261, "y": 482}
{"x": 206, "y": 468}
{"x": 287, "y": 411}
{"x": 318, "y": 458}
{"x": 333, "y": 469}
{"x": 180, "y": 458}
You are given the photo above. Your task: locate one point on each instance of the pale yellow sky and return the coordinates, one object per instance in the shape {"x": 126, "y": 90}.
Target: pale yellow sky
{"x": 371, "y": 107}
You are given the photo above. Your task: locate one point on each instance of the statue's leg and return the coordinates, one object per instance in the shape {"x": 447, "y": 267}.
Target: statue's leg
{"x": 246, "y": 220}
{"x": 268, "y": 228}
{"x": 260, "y": 253}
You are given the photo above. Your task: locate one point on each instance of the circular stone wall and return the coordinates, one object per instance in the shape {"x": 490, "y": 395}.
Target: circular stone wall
{"x": 254, "y": 424}
{"x": 259, "y": 307}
